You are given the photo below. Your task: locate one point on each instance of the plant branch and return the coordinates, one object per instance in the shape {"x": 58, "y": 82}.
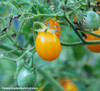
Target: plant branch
{"x": 3, "y": 36}
{"x": 6, "y": 58}
{"x": 8, "y": 51}
{"x": 51, "y": 80}
{"x": 73, "y": 27}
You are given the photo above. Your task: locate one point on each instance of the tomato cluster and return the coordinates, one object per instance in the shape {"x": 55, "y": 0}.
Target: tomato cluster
{"x": 91, "y": 21}
{"x": 48, "y": 44}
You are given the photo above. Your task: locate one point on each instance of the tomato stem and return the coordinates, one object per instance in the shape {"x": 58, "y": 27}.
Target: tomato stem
{"x": 43, "y": 26}
{"x": 73, "y": 27}
{"x": 3, "y": 36}
{"x": 51, "y": 80}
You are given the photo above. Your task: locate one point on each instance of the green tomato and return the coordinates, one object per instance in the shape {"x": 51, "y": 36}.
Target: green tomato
{"x": 91, "y": 20}
{"x": 26, "y": 78}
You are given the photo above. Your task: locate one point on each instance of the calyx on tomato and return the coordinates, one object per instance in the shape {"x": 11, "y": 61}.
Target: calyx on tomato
{"x": 54, "y": 27}
{"x": 91, "y": 20}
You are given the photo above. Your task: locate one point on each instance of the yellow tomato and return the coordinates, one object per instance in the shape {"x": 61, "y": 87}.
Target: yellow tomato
{"x": 68, "y": 85}
{"x": 93, "y": 47}
{"x": 75, "y": 18}
{"x": 47, "y": 46}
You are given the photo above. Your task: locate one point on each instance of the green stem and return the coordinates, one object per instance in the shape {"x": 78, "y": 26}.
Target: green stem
{"x": 72, "y": 44}
{"x": 32, "y": 49}
{"x": 51, "y": 80}
{"x": 3, "y": 36}
{"x": 8, "y": 51}
{"x": 8, "y": 48}
{"x": 11, "y": 40}
{"x": 21, "y": 56}
{"x": 93, "y": 42}
{"x": 60, "y": 14}
{"x": 2, "y": 21}
{"x": 80, "y": 43}
{"x": 31, "y": 5}
{"x": 42, "y": 26}
{"x": 70, "y": 12}
{"x": 89, "y": 32}
{"x": 9, "y": 37}
{"x": 6, "y": 58}
{"x": 16, "y": 5}
{"x": 72, "y": 25}
{"x": 37, "y": 8}
{"x": 77, "y": 3}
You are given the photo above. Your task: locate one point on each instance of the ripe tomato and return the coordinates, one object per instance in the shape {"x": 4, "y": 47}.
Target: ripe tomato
{"x": 54, "y": 25}
{"x": 91, "y": 20}
{"x": 39, "y": 89}
{"x": 68, "y": 85}
{"x": 93, "y": 47}
{"x": 75, "y": 18}
{"x": 47, "y": 46}
{"x": 26, "y": 78}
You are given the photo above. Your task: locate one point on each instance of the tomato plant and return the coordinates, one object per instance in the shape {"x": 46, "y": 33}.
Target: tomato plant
{"x": 47, "y": 46}
{"x": 93, "y": 47}
{"x": 26, "y": 78}
{"x": 33, "y": 30}
{"x": 54, "y": 25}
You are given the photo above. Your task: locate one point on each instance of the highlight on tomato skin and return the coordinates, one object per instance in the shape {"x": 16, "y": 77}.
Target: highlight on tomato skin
{"x": 54, "y": 25}
{"x": 93, "y": 47}
{"x": 48, "y": 46}
{"x": 68, "y": 85}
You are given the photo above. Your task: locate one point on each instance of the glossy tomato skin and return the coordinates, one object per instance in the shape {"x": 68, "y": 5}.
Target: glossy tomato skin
{"x": 68, "y": 85}
{"x": 26, "y": 78}
{"x": 91, "y": 20}
{"x": 94, "y": 47}
{"x": 54, "y": 25}
{"x": 47, "y": 46}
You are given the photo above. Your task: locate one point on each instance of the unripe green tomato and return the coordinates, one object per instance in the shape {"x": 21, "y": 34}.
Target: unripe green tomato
{"x": 91, "y": 20}
{"x": 26, "y": 78}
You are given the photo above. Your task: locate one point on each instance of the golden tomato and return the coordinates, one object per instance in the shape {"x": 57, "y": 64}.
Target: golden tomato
{"x": 54, "y": 25}
{"x": 75, "y": 18}
{"x": 47, "y": 46}
{"x": 93, "y": 47}
{"x": 68, "y": 85}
